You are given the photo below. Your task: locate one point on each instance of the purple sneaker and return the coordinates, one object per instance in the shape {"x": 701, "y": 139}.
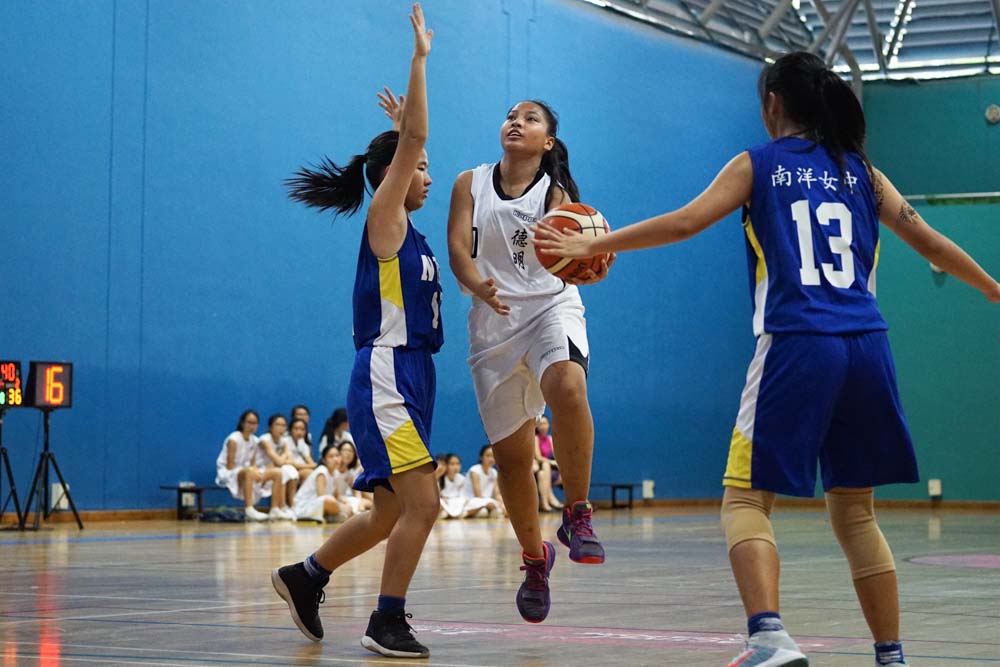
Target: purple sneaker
{"x": 577, "y": 534}
{"x": 533, "y": 595}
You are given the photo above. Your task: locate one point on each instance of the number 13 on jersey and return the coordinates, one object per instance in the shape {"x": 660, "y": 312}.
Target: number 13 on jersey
{"x": 839, "y": 245}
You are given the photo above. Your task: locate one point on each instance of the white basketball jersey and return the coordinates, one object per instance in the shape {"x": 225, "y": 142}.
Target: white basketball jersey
{"x": 501, "y": 240}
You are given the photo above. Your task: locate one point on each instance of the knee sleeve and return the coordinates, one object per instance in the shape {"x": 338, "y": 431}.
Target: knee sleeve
{"x": 746, "y": 515}
{"x": 853, "y": 518}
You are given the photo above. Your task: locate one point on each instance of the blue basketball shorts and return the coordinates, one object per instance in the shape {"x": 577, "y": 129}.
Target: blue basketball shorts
{"x": 390, "y": 405}
{"x": 831, "y": 399}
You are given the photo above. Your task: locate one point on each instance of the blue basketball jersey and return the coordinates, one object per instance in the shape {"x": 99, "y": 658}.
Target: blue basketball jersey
{"x": 812, "y": 241}
{"x": 397, "y": 301}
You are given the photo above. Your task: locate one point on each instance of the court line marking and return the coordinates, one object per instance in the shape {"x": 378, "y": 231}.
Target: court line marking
{"x": 155, "y": 612}
{"x": 285, "y": 658}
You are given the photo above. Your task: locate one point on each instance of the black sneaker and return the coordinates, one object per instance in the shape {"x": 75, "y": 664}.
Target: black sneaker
{"x": 533, "y": 599}
{"x": 303, "y": 596}
{"x": 390, "y": 635}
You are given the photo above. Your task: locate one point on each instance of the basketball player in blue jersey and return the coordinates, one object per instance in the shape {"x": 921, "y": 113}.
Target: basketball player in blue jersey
{"x": 390, "y": 402}
{"x": 822, "y": 384}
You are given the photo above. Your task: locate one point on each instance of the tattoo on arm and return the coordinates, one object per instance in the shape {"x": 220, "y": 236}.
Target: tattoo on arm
{"x": 879, "y": 187}
{"x": 906, "y": 214}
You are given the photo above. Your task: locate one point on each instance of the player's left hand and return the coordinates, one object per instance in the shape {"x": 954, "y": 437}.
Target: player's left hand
{"x": 393, "y": 107}
{"x": 590, "y": 277}
{"x": 561, "y": 242}
{"x": 994, "y": 294}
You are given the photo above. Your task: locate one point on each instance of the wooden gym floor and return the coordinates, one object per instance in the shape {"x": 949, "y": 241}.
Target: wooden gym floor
{"x": 185, "y": 594}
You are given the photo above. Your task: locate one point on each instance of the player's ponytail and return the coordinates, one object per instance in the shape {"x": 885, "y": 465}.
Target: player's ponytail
{"x": 842, "y": 123}
{"x": 818, "y": 100}
{"x": 330, "y": 186}
{"x": 555, "y": 162}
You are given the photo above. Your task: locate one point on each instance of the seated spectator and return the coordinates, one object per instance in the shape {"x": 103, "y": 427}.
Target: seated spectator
{"x": 302, "y": 412}
{"x": 335, "y": 430}
{"x": 235, "y": 466}
{"x": 483, "y": 477}
{"x": 273, "y": 459}
{"x": 457, "y": 499}
{"x": 317, "y": 498}
{"x": 350, "y": 467}
{"x": 295, "y": 443}
{"x": 545, "y": 466}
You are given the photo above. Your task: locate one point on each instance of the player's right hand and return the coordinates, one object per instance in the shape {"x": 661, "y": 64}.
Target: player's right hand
{"x": 487, "y": 291}
{"x": 421, "y": 35}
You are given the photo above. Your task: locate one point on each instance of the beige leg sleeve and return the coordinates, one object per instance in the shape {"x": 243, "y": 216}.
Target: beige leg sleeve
{"x": 746, "y": 515}
{"x": 852, "y": 515}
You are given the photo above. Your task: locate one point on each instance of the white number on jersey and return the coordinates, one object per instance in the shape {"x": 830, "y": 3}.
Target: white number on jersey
{"x": 840, "y": 245}
{"x": 436, "y": 309}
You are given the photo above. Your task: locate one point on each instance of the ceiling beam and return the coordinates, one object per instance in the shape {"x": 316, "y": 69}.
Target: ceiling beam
{"x": 779, "y": 13}
{"x": 841, "y": 31}
{"x": 709, "y": 11}
{"x": 877, "y": 38}
{"x": 846, "y": 7}
{"x": 845, "y": 51}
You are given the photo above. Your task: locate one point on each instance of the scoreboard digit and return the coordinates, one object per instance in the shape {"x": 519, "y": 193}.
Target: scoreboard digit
{"x": 11, "y": 392}
{"x": 50, "y": 384}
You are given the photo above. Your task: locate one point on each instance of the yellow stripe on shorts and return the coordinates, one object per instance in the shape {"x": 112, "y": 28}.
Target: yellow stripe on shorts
{"x": 738, "y": 466}
{"x": 405, "y": 448}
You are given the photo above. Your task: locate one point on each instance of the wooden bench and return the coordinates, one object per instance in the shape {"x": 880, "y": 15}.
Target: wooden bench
{"x": 615, "y": 487}
{"x": 183, "y": 512}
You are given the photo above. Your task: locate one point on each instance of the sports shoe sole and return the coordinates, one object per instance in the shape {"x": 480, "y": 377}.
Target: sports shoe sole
{"x": 375, "y": 647}
{"x": 586, "y": 560}
{"x": 798, "y": 662}
{"x": 282, "y": 590}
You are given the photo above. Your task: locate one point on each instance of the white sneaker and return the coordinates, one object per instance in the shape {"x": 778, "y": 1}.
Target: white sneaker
{"x": 770, "y": 649}
{"x": 282, "y": 514}
{"x": 253, "y": 514}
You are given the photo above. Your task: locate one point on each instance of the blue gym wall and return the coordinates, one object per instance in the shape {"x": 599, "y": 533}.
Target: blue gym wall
{"x": 148, "y": 238}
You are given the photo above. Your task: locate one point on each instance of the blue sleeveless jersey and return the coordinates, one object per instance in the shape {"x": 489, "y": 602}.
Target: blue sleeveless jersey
{"x": 812, "y": 241}
{"x": 397, "y": 301}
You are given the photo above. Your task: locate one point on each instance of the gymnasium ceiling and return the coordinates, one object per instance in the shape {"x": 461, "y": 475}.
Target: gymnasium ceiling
{"x": 876, "y": 39}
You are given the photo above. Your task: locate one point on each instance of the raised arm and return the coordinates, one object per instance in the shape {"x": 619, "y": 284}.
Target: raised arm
{"x": 387, "y": 214}
{"x": 897, "y": 214}
{"x": 460, "y": 245}
{"x": 729, "y": 191}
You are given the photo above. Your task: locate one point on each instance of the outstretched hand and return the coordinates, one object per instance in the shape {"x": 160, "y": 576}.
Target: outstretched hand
{"x": 393, "y": 107}
{"x": 487, "y": 291}
{"x": 994, "y": 294}
{"x": 561, "y": 242}
{"x": 421, "y": 35}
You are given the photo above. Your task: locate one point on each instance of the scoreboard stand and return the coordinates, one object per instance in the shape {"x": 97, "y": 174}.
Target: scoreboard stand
{"x": 11, "y": 396}
{"x": 49, "y": 386}
{"x": 40, "y": 488}
{"x": 6, "y": 470}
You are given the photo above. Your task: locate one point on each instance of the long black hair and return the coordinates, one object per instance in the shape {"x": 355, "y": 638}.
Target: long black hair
{"x": 555, "y": 162}
{"x": 816, "y": 98}
{"x": 291, "y": 420}
{"x": 243, "y": 418}
{"x": 330, "y": 186}
{"x": 338, "y": 417}
{"x": 447, "y": 458}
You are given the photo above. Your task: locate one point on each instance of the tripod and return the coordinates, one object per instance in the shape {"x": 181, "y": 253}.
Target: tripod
{"x": 40, "y": 489}
{"x": 10, "y": 476}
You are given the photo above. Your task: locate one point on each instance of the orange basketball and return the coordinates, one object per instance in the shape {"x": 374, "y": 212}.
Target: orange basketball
{"x": 585, "y": 219}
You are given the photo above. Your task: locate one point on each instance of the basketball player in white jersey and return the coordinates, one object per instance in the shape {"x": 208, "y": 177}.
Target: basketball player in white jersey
{"x": 528, "y": 337}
